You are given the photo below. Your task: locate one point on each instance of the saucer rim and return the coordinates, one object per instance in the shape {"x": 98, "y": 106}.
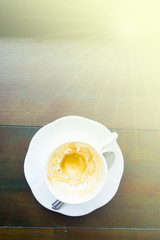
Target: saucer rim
{"x": 61, "y": 210}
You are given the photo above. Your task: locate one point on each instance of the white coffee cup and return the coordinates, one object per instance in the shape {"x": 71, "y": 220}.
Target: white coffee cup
{"x": 72, "y": 196}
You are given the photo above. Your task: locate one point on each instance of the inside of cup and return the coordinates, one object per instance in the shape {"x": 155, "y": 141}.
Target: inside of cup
{"x": 78, "y": 194}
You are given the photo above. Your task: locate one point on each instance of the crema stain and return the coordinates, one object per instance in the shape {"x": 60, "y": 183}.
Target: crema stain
{"x": 75, "y": 164}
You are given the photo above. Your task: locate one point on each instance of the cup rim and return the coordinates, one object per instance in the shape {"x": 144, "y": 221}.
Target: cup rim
{"x": 94, "y": 193}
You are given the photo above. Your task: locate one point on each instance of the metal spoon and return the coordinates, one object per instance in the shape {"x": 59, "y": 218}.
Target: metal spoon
{"x": 57, "y": 204}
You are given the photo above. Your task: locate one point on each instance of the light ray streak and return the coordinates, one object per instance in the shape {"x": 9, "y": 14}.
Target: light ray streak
{"x": 117, "y": 50}
{"x": 83, "y": 69}
{"x": 146, "y": 76}
{"x": 79, "y": 43}
{"x": 99, "y": 71}
{"x": 121, "y": 79}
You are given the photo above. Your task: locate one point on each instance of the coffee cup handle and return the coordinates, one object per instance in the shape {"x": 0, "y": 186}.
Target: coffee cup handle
{"x": 107, "y": 142}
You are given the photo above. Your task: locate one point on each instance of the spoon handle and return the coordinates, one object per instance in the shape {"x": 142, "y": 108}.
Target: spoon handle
{"x": 57, "y": 204}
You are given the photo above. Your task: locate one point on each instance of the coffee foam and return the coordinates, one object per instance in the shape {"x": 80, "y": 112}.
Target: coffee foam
{"x": 74, "y": 169}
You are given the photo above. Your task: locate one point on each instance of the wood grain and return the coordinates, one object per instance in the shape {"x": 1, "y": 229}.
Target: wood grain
{"x": 99, "y": 78}
{"x": 135, "y": 205}
{"x": 77, "y": 233}
{"x": 26, "y": 233}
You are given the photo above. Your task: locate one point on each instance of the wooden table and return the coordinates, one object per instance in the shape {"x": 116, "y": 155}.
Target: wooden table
{"x": 111, "y": 82}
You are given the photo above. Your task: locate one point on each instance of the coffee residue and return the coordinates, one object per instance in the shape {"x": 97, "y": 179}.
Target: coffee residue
{"x": 75, "y": 164}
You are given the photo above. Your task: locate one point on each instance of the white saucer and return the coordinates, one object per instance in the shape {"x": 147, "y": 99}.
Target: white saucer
{"x": 41, "y": 147}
